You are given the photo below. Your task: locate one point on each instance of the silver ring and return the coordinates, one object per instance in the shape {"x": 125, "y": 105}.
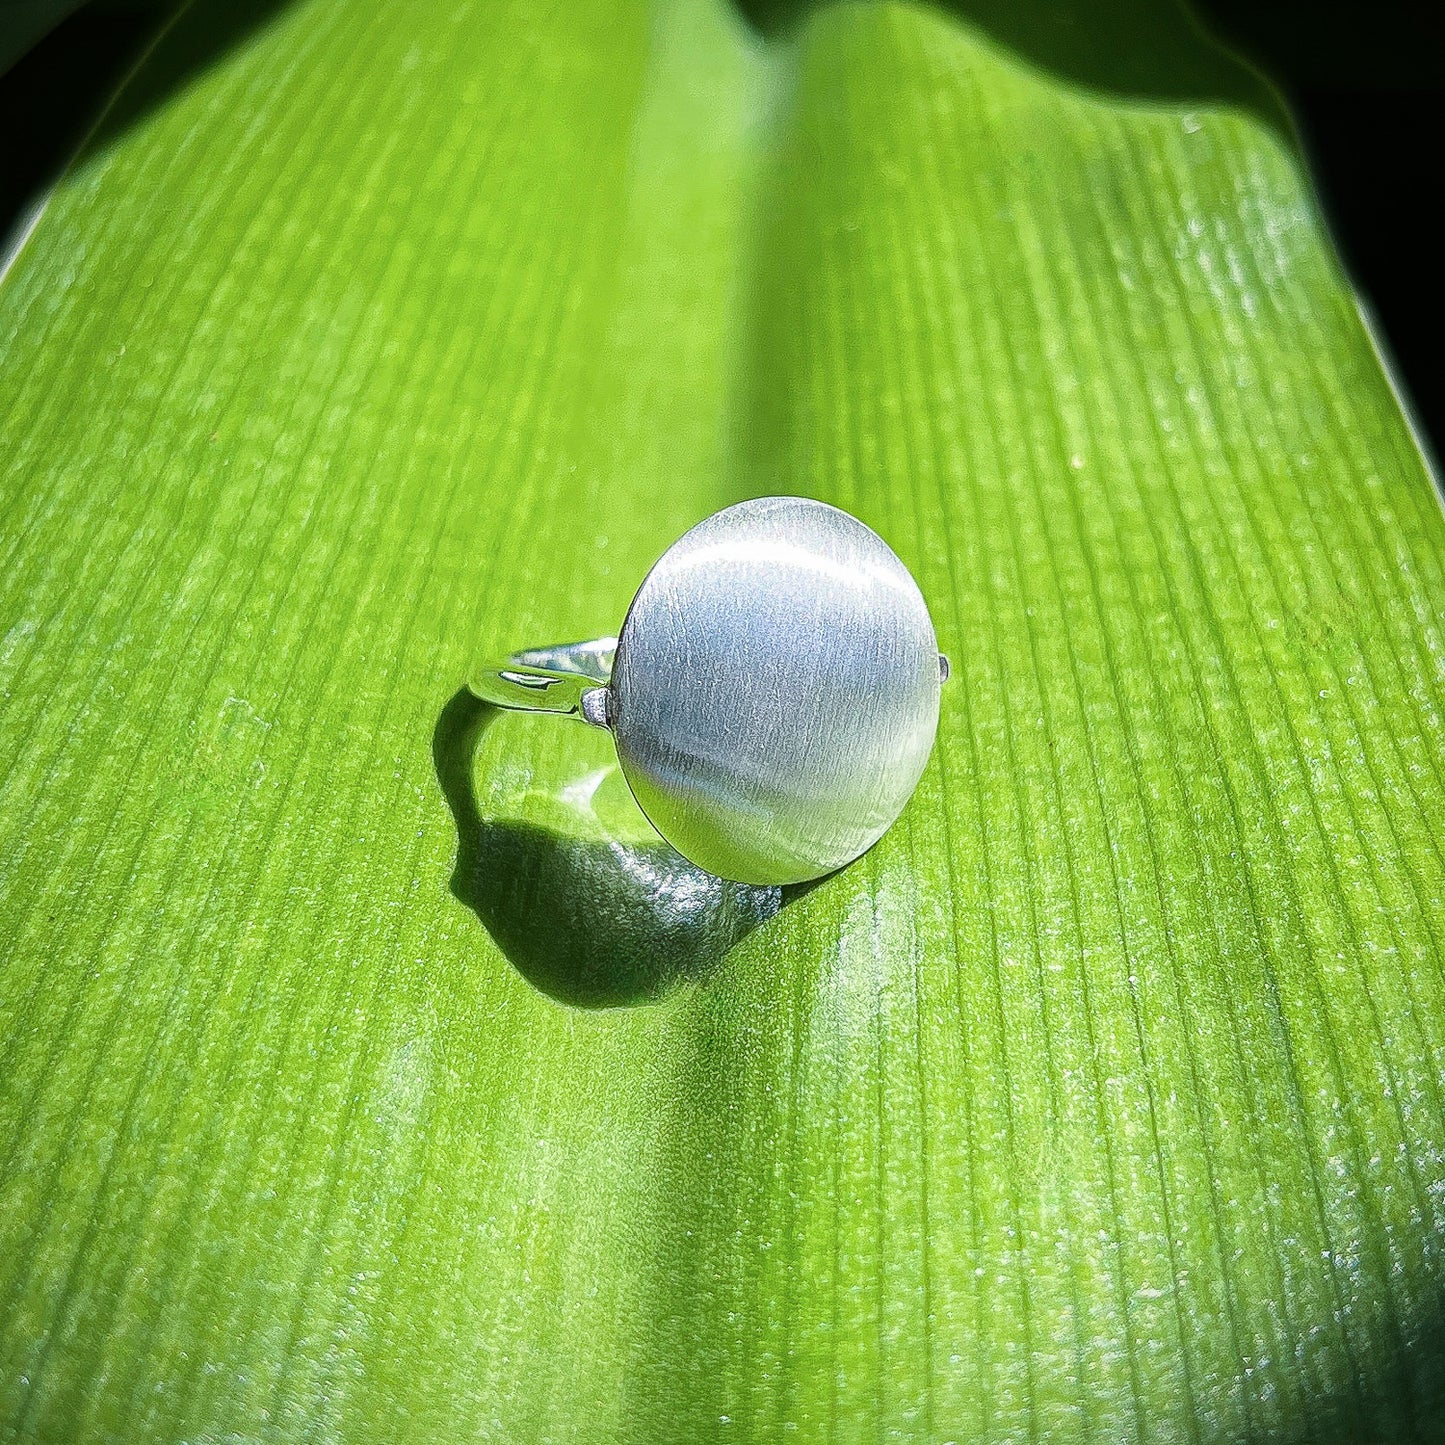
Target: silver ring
{"x": 773, "y": 693}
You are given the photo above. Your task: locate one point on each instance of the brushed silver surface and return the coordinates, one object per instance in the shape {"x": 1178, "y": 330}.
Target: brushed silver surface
{"x": 775, "y": 691}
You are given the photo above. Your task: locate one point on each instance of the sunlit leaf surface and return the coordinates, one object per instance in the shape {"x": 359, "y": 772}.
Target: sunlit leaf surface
{"x": 1102, "y": 1101}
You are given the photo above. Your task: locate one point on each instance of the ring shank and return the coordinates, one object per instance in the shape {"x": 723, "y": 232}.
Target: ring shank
{"x": 553, "y": 679}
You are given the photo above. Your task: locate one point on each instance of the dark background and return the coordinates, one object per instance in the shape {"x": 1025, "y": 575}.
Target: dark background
{"x": 1365, "y": 79}
{"x": 1366, "y": 82}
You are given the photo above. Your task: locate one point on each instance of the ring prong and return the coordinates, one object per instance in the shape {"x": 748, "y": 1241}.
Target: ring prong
{"x": 594, "y": 707}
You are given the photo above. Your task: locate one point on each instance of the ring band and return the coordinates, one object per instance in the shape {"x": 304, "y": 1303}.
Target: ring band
{"x": 569, "y": 679}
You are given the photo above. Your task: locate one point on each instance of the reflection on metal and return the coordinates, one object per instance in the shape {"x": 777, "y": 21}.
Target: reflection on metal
{"x": 551, "y": 679}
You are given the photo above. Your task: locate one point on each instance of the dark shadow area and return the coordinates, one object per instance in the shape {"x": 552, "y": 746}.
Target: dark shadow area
{"x": 52, "y": 95}
{"x": 1140, "y": 49}
{"x": 1366, "y": 82}
{"x": 63, "y": 84}
{"x": 202, "y": 35}
{"x": 1402, "y": 1400}
{"x": 592, "y": 924}
{"x": 23, "y": 22}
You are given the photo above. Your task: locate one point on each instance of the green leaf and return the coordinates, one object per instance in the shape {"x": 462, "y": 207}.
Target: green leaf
{"x": 1101, "y": 1101}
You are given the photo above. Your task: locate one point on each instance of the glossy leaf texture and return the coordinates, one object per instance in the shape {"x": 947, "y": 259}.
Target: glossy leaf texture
{"x": 1101, "y": 1101}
